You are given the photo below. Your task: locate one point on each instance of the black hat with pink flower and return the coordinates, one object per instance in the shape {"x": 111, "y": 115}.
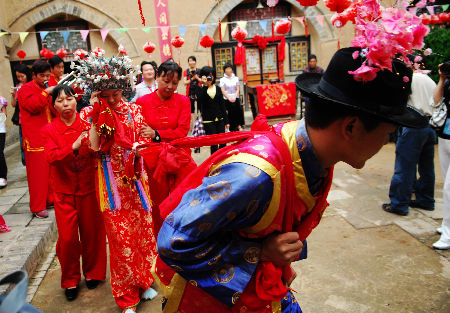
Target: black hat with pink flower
{"x": 382, "y": 93}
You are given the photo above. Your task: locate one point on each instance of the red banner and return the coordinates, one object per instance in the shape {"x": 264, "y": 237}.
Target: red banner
{"x": 277, "y": 99}
{"x": 162, "y": 20}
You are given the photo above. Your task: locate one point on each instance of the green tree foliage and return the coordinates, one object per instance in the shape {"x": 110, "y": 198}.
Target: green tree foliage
{"x": 439, "y": 41}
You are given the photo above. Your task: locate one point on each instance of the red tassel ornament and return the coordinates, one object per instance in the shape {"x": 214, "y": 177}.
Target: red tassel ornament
{"x": 140, "y": 11}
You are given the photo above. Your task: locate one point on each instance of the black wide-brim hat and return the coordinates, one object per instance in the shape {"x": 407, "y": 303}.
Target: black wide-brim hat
{"x": 385, "y": 97}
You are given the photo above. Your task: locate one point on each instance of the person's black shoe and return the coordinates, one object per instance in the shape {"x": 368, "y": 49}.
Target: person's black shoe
{"x": 92, "y": 283}
{"x": 415, "y": 204}
{"x": 388, "y": 208}
{"x": 72, "y": 293}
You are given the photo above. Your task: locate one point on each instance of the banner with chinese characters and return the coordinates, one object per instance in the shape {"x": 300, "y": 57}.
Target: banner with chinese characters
{"x": 162, "y": 20}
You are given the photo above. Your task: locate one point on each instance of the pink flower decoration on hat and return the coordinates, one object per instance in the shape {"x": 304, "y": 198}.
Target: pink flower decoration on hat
{"x": 405, "y": 79}
{"x": 418, "y": 59}
{"x": 427, "y": 51}
{"x": 365, "y": 73}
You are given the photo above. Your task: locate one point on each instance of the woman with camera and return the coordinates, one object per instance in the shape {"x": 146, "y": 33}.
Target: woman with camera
{"x": 229, "y": 84}
{"x": 211, "y": 105}
{"x": 441, "y": 98}
{"x": 191, "y": 81}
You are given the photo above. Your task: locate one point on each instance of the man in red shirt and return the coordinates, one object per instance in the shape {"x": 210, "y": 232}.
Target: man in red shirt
{"x": 35, "y": 101}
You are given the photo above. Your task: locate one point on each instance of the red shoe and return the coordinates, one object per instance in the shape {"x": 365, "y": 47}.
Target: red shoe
{"x": 41, "y": 214}
{"x": 4, "y": 228}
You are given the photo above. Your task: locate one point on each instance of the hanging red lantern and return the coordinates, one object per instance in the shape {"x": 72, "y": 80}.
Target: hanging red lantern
{"x": 149, "y": 47}
{"x": 434, "y": 19}
{"x": 177, "y": 41}
{"x": 425, "y": 19}
{"x": 283, "y": 26}
{"x": 339, "y": 20}
{"x": 46, "y": 53}
{"x": 61, "y": 53}
{"x": 239, "y": 33}
{"x": 206, "y": 41}
{"x": 337, "y": 5}
{"x": 307, "y": 3}
{"x": 21, "y": 54}
{"x": 122, "y": 50}
{"x": 80, "y": 53}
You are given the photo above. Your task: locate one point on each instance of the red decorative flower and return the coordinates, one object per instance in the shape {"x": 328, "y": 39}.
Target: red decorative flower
{"x": 435, "y": 19}
{"x": 46, "y": 53}
{"x": 61, "y": 53}
{"x": 425, "y": 19}
{"x": 260, "y": 41}
{"x": 239, "y": 33}
{"x": 206, "y": 41}
{"x": 98, "y": 52}
{"x": 149, "y": 47}
{"x": 177, "y": 41}
{"x": 21, "y": 54}
{"x": 337, "y": 5}
{"x": 283, "y": 26}
{"x": 308, "y": 3}
{"x": 81, "y": 53}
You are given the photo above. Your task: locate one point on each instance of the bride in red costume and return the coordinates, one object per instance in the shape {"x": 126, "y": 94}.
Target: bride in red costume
{"x": 122, "y": 184}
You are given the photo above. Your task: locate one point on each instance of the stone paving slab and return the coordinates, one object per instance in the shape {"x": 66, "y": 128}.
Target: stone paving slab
{"x": 23, "y": 247}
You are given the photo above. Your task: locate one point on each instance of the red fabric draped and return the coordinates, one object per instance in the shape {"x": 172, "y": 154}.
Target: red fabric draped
{"x": 239, "y": 57}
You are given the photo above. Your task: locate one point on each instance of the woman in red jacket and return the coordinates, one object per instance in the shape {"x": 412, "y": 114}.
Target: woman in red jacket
{"x": 167, "y": 116}
{"x": 78, "y": 217}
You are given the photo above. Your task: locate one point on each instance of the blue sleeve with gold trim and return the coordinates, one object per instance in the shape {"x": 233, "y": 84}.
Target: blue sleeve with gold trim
{"x": 199, "y": 239}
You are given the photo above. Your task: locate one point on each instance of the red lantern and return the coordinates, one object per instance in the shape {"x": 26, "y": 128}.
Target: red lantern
{"x": 435, "y": 19}
{"x": 21, "y": 54}
{"x": 426, "y": 19}
{"x": 283, "y": 26}
{"x": 308, "y": 3}
{"x": 122, "y": 50}
{"x": 206, "y": 41}
{"x": 149, "y": 47}
{"x": 339, "y": 20}
{"x": 61, "y": 53}
{"x": 81, "y": 53}
{"x": 46, "y": 53}
{"x": 239, "y": 33}
{"x": 177, "y": 41}
{"x": 337, "y": 5}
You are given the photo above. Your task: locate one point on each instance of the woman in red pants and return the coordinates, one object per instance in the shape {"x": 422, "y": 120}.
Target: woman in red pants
{"x": 72, "y": 172}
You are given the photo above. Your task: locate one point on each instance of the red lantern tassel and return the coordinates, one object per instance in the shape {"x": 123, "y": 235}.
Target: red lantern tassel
{"x": 140, "y": 10}
{"x": 220, "y": 31}
{"x": 273, "y": 32}
{"x": 306, "y": 28}
{"x": 339, "y": 44}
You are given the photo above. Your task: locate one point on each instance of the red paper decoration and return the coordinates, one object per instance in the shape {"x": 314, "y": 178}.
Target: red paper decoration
{"x": 206, "y": 41}
{"x": 308, "y": 3}
{"x": 61, "y": 53}
{"x": 140, "y": 11}
{"x": 149, "y": 47}
{"x": 261, "y": 42}
{"x": 239, "y": 33}
{"x": 177, "y": 41}
{"x": 283, "y": 26}
{"x": 46, "y": 53}
{"x": 337, "y": 5}
{"x": 435, "y": 18}
{"x": 21, "y": 54}
{"x": 81, "y": 53}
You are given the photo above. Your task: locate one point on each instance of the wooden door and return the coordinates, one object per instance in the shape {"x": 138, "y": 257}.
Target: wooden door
{"x": 261, "y": 65}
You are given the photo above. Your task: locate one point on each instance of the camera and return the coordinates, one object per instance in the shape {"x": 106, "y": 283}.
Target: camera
{"x": 445, "y": 68}
{"x": 209, "y": 78}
